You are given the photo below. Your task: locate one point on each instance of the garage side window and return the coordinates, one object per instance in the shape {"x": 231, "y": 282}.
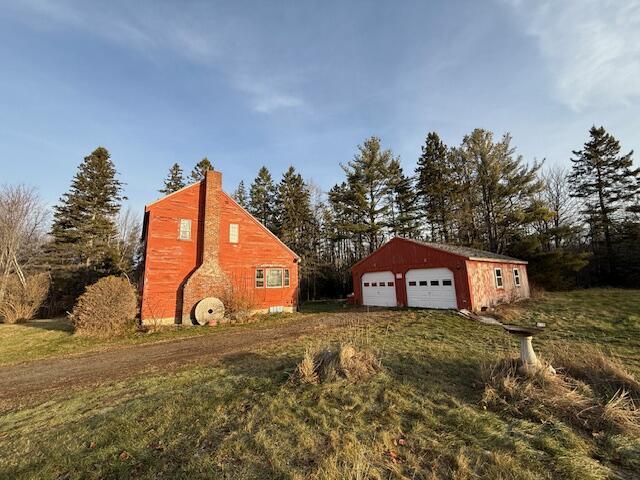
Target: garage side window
{"x": 184, "y": 232}
{"x": 498, "y": 274}
{"x": 259, "y": 278}
{"x": 516, "y": 277}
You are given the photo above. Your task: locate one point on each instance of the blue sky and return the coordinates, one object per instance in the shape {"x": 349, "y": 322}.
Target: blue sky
{"x": 302, "y": 83}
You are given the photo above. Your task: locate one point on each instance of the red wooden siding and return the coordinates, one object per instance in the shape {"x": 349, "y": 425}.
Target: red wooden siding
{"x": 169, "y": 261}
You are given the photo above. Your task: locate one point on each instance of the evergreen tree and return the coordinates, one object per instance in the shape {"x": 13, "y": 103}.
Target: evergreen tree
{"x": 507, "y": 187}
{"x": 295, "y": 218}
{"x": 84, "y": 229}
{"x": 200, "y": 169}
{"x": 367, "y": 180}
{"x": 436, "y": 186}
{"x": 262, "y": 199}
{"x": 174, "y": 180}
{"x": 606, "y": 182}
{"x": 240, "y": 195}
{"x": 402, "y": 200}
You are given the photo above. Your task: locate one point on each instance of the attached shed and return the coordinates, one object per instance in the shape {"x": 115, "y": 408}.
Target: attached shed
{"x": 411, "y": 273}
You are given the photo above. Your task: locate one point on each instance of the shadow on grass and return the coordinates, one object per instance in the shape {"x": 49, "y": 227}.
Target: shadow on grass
{"x": 61, "y": 324}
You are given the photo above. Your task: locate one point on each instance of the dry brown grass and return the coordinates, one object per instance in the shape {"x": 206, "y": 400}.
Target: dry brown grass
{"x": 545, "y": 396}
{"x": 341, "y": 362}
{"x": 20, "y": 303}
{"x": 239, "y": 303}
{"x": 106, "y": 309}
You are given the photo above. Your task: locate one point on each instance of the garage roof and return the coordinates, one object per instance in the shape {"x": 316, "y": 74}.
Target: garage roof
{"x": 468, "y": 252}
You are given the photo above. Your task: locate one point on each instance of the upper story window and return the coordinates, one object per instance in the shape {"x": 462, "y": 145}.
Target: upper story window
{"x": 184, "y": 232}
{"x": 516, "y": 277}
{"x": 233, "y": 232}
{"x": 498, "y": 274}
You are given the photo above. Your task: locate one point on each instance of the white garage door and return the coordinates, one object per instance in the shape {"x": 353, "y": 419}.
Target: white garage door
{"x": 431, "y": 288}
{"x": 379, "y": 289}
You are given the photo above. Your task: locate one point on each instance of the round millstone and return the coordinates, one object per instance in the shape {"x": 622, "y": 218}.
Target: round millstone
{"x": 209, "y": 310}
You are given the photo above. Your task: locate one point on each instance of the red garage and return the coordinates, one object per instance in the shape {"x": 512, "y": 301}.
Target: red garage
{"x": 411, "y": 273}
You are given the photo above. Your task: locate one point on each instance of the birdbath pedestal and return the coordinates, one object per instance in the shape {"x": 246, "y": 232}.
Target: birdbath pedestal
{"x": 529, "y": 362}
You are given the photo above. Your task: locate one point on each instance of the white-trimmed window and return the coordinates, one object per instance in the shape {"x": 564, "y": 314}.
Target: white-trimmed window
{"x": 498, "y": 274}
{"x": 233, "y": 232}
{"x": 274, "y": 278}
{"x": 184, "y": 232}
{"x": 287, "y": 278}
{"x": 259, "y": 278}
{"x": 516, "y": 277}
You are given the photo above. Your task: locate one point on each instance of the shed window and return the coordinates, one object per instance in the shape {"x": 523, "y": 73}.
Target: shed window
{"x": 516, "y": 277}
{"x": 286, "y": 277}
{"x": 366, "y": 284}
{"x": 382, "y": 284}
{"x": 412, "y": 284}
{"x": 184, "y": 232}
{"x": 435, "y": 283}
{"x": 274, "y": 277}
{"x": 259, "y": 278}
{"x": 446, "y": 283}
{"x": 423, "y": 283}
{"x": 233, "y": 232}
{"x": 498, "y": 274}
{"x": 374, "y": 284}
{"x": 389, "y": 284}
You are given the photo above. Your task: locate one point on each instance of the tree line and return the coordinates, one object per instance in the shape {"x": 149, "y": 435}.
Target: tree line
{"x": 577, "y": 226}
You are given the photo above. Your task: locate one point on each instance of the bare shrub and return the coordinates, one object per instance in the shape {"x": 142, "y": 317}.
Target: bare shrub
{"x": 344, "y": 361}
{"x": 106, "y": 308}
{"x": 545, "y": 395}
{"x": 21, "y": 302}
{"x": 239, "y": 302}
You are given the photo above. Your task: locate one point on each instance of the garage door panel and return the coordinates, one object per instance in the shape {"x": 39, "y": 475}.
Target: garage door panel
{"x": 431, "y": 288}
{"x": 378, "y": 289}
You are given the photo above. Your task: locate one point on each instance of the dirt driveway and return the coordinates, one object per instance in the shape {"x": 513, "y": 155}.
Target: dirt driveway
{"x": 43, "y": 376}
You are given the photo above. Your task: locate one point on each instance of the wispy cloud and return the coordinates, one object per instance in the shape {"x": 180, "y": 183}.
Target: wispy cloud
{"x": 592, "y": 48}
{"x": 198, "y": 36}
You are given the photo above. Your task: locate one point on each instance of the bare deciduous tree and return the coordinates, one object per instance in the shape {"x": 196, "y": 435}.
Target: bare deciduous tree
{"x": 23, "y": 218}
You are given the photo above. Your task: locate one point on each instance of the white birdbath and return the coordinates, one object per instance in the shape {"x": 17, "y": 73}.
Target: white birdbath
{"x": 529, "y": 362}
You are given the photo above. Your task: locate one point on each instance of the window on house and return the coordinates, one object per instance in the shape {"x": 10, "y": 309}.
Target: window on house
{"x": 498, "y": 274}
{"x": 259, "y": 278}
{"x": 274, "y": 277}
{"x": 412, "y": 284}
{"x": 446, "y": 283}
{"x": 286, "y": 277}
{"x": 184, "y": 233}
{"x": 233, "y": 233}
{"x": 435, "y": 283}
{"x": 423, "y": 283}
{"x": 516, "y": 277}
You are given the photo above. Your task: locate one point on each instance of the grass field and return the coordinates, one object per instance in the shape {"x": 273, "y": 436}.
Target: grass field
{"x": 243, "y": 417}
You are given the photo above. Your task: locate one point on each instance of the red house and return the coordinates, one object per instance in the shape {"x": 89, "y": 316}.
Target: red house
{"x": 411, "y": 273}
{"x": 200, "y": 244}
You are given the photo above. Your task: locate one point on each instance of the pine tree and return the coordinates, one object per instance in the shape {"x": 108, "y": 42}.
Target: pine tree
{"x": 435, "y": 185}
{"x": 506, "y": 185}
{"x": 295, "y": 218}
{"x": 262, "y": 199}
{"x": 403, "y": 204}
{"x": 84, "y": 226}
{"x": 200, "y": 169}
{"x": 367, "y": 176}
{"x": 605, "y": 181}
{"x": 174, "y": 180}
{"x": 240, "y": 195}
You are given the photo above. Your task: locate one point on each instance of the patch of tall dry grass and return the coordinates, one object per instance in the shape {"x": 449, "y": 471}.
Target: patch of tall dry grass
{"x": 21, "y": 302}
{"x": 343, "y": 361}
{"x": 574, "y": 394}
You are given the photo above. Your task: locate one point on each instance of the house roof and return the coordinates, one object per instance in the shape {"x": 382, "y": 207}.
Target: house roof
{"x": 468, "y": 252}
{"x": 465, "y": 252}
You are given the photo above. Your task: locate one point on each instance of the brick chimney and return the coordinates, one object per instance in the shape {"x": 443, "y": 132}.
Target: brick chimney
{"x": 208, "y": 280}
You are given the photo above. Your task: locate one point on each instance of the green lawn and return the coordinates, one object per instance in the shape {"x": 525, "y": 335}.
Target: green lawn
{"x": 421, "y": 418}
